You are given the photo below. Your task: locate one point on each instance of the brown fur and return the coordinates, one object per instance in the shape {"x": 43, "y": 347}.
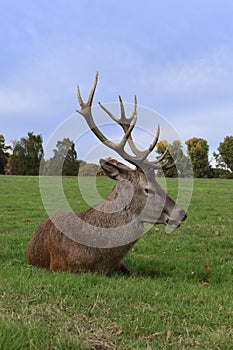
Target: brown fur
{"x": 52, "y": 249}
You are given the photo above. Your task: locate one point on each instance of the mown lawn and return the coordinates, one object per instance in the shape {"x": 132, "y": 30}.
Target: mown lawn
{"x": 179, "y": 296}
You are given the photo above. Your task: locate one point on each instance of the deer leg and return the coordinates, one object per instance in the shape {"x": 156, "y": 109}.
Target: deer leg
{"x": 123, "y": 268}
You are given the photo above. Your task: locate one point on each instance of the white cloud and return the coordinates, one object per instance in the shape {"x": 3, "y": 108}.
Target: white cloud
{"x": 192, "y": 87}
{"x": 199, "y": 79}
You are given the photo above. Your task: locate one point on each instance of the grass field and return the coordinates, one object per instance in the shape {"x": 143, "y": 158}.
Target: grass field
{"x": 179, "y": 296}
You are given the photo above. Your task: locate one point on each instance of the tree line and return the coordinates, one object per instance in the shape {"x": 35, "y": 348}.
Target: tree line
{"x": 26, "y": 157}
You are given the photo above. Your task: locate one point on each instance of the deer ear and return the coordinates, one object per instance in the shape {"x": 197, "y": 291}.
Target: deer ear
{"x": 112, "y": 170}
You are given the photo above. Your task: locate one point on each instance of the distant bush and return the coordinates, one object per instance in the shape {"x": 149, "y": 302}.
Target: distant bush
{"x": 88, "y": 170}
{"x": 227, "y": 175}
{"x": 220, "y": 173}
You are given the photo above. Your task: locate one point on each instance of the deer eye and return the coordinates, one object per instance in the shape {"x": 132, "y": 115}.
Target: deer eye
{"x": 149, "y": 191}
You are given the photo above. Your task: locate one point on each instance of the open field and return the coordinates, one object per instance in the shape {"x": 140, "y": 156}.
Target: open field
{"x": 179, "y": 296}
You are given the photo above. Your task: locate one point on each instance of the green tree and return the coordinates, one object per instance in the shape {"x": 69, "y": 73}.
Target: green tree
{"x": 198, "y": 151}
{"x": 64, "y": 160}
{"x": 175, "y": 153}
{"x": 4, "y": 155}
{"x": 27, "y": 155}
{"x": 224, "y": 158}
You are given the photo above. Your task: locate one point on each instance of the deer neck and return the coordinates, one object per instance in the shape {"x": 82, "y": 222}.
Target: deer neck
{"x": 117, "y": 210}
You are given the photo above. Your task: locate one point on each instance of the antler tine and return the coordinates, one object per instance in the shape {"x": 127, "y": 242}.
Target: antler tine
{"x": 128, "y": 132}
{"x": 155, "y": 164}
{"x": 159, "y": 159}
{"x": 87, "y": 104}
{"x": 109, "y": 113}
{"x": 123, "y": 120}
{"x": 153, "y": 144}
{"x": 134, "y": 109}
{"x": 142, "y": 155}
{"x": 166, "y": 166}
{"x": 86, "y": 112}
{"x": 80, "y": 100}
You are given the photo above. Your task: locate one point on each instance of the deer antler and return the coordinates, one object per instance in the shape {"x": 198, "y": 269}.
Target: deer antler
{"x": 140, "y": 157}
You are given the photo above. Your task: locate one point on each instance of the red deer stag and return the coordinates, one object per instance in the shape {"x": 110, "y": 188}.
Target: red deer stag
{"x": 135, "y": 199}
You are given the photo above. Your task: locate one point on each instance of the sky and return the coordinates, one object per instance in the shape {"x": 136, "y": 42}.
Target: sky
{"x": 175, "y": 55}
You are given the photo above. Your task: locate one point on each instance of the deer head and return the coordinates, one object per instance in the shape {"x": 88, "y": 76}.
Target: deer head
{"x": 137, "y": 189}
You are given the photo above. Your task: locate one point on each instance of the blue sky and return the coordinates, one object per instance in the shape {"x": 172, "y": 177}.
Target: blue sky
{"x": 176, "y": 56}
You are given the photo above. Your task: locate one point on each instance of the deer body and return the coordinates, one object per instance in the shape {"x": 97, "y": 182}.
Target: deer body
{"x": 135, "y": 199}
{"x": 51, "y": 249}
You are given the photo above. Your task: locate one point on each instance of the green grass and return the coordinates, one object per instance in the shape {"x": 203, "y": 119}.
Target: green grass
{"x": 179, "y": 295}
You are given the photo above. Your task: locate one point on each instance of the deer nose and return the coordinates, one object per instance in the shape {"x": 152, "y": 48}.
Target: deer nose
{"x": 184, "y": 217}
